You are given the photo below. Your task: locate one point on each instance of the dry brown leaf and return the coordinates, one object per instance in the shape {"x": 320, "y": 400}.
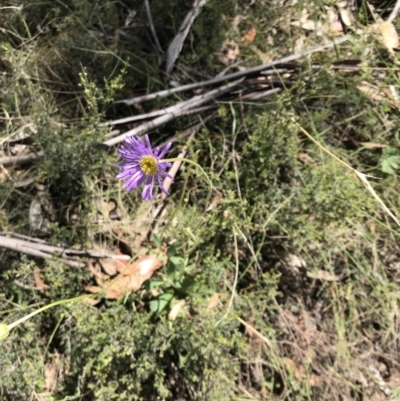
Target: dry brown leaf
{"x": 176, "y": 308}
{"x": 94, "y": 289}
{"x": 305, "y": 158}
{"x": 378, "y": 94}
{"x": 390, "y": 38}
{"x": 372, "y": 145}
{"x": 50, "y": 376}
{"x": 109, "y": 266}
{"x": 347, "y": 16}
{"x": 336, "y": 28}
{"x": 323, "y": 275}
{"x": 91, "y": 301}
{"x": 371, "y": 91}
{"x": 146, "y": 265}
{"x": 213, "y": 301}
{"x": 215, "y": 202}
{"x": 250, "y": 35}
{"x": 308, "y": 25}
{"x": 130, "y": 279}
{"x": 229, "y": 53}
{"x": 51, "y": 372}
{"x": 39, "y": 283}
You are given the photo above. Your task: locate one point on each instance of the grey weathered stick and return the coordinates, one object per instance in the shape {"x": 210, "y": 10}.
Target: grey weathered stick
{"x": 235, "y": 75}
{"x": 196, "y": 85}
{"x": 157, "y": 122}
{"x": 394, "y": 12}
{"x": 175, "y": 46}
{"x": 172, "y": 109}
{"x": 20, "y": 246}
{"x": 260, "y": 95}
{"x": 32, "y": 243}
{"x": 8, "y": 161}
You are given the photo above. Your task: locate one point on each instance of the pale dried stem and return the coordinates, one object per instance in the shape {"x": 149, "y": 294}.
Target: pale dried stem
{"x": 394, "y": 12}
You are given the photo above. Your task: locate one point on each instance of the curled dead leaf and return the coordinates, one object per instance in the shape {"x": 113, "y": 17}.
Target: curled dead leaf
{"x": 323, "y": 275}
{"x": 130, "y": 279}
{"x": 372, "y": 145}
{"x": 305, "y": 158}
{"x": 176, "y": 308}
{"x": 228, "y": 53}
{"x": 347, "y": 16}
{"x": 250, "y": 35}
{"x": 39, "y": 283}
{"x": 389, "y": 35}
{"x": 213, "y": 301}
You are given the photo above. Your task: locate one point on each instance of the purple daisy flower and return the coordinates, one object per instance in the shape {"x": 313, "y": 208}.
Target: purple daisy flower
{"x": 142, "y": 164}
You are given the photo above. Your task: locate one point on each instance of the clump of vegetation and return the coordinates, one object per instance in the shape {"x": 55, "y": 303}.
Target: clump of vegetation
{"x": 282, "y": 285}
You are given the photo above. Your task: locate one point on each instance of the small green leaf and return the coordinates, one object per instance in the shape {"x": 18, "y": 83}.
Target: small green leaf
{"x": 157, "y": 240}
{"x": 154, "y": 284}
{"x": 176, "y": 260}
{"x": 390, "y": 164}
{"x": 160, "y": 303}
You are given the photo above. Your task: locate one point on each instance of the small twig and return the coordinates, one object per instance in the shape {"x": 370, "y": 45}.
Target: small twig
{"x": 43, "y": 250}
{"x": 156, "y": 113}
{"x": 235, "y": 75}
{"x": 8, "y": 161}
{"x": 19, "y": 246}
{"x": 25, "y": 286}
{"x": 260, "y": 95}
{"x": 22, "y": 236}
{"x": 111, "y": 133}
{"x": 197, "y": 85}
{"x": 151, "y": 23}
{"x": 394, "y": 12}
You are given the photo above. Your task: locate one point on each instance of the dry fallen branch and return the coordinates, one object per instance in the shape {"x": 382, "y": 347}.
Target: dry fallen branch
{"x": 235, "y": 75}
{"x": 184, "y": 106}
{"x": 34, "y": 247}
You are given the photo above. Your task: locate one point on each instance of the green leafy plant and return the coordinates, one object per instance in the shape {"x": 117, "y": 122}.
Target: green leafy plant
{"x": 390, "y": 160}
{"x": 178, "y": 283}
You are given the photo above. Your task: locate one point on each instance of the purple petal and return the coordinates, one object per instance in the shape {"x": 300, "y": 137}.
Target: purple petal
{"x": 147, "y": 143}
{"x": 147, "y": 193}
{"x": 156, "y": 152}
{"x": 164, "y": 173}
{"x": 164, "y": 165}
{"x": 165, "y": 150}
{"x": 134, "y": 181}
{"x": 160, "y": 184}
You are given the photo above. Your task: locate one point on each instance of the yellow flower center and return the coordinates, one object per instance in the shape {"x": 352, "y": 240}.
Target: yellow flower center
{"x": 148, "y": 164}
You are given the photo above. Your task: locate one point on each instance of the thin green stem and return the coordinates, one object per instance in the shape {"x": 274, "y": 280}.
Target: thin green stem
{"x": 183, "y": 159}
{"x": 63, "y": 301}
